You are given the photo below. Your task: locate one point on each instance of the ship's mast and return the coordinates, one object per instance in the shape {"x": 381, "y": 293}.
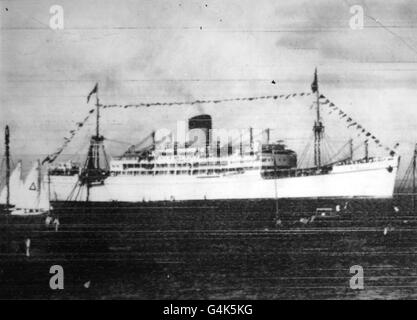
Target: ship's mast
{"x": 97, "y": 114}
{"x": 366, "y": 151}
{"x": 318, "y": 127}
{"x": 49, "y": 190}
{"x": 93, "y": 162}
{"x": 267, "y": 135}
{"x": 276, "y": 191}
{"x": 241, "y": 146}
{"x": 97, "y": 139}
{"x": 97, "y": 156}
{"x": 92, "y": 172}
{"x": 251, "y": 140}
{"x": 414, "y": 177}
{"x": 7, "y": 156}
{"x": 351, "y": 149}
{"x": 153, "y": 140}
{"x": 39, "y": 183}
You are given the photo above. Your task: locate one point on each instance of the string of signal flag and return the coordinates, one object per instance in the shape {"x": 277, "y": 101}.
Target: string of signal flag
{"x": 51, "y": 158}
{"x": 323, "y": 100}
{"x": 153, "y": 104}
{"x": 351, "y": 123}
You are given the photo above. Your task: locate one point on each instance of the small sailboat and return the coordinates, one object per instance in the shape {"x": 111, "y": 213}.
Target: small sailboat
{"x": 33, "y": 197}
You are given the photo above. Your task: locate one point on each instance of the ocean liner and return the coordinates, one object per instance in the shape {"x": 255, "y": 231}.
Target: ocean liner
{"x": 169, "y": 171}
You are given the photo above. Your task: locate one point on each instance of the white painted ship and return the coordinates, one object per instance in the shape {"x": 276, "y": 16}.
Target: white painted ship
{"x": 190, "y": 171}
{"x": 236, "y": 178}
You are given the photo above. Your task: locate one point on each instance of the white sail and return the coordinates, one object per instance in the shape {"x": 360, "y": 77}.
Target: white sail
{"x": 34, "y": 195}
{"x": 44, "y": 198}
{"x": 16, "y": 185}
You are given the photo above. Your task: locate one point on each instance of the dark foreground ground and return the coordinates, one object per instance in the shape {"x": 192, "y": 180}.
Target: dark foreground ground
{"x": 215, "y": 250}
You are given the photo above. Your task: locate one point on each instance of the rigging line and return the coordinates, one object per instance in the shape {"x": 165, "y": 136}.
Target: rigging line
{"x": 80, "y": 152}
{"x": 341, "y": 157}
{"x": 394, "y": 34}
{"x": 331, "y": 141}
{"x": 408, "y": 175}
{"x": 402, "y": 185}
{"x": 385, "y": 27}
{"x": 50, "y": 158}
{"x": 117, "y": 141}
{"x": 132, "y": 148}
{"x": 142, "y": 141}
{"x": 406, "y": 178}
{"x": 326, "y": 151}
{"x": 330, "y": 151}
{"x": 358, "y": 146}
{"x": 143, "y": 104}
{"x": 72, "y": 192}
{"x": 326, "y": 147}
{"x": 105, "y": 157}
{"x": 368, "y": 134}
{"x": 305, "y": 152}
{"x": 340, "y": 150}
{"x": 31, "y": 18}
{"x": 309, "y": 158}
{"x": 309, "y": 162}
{"x": 78, "y": 192}
{"x": 327, "y": 140}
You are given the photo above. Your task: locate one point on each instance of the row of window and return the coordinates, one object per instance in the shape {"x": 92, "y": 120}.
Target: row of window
{"x": 177, "y": 165}
{"x": 183, "y": 172}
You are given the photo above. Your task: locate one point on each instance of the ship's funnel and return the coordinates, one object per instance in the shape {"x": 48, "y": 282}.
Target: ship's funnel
{"x": 204, "y": 123}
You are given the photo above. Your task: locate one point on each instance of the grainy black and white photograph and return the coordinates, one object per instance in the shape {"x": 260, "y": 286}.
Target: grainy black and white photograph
{"x": 208, "y": 150}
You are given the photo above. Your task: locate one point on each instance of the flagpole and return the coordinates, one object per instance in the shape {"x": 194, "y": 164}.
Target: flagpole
{"x": 97, "y": 128}
{"x": 318, "y": 129}
{"x": 98, "y": 114}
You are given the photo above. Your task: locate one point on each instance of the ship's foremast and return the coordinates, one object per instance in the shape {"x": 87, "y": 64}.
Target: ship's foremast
{"x": 93, "y": 172}
{"x": 7, "y": 156}
{"x": 318, "y": 127}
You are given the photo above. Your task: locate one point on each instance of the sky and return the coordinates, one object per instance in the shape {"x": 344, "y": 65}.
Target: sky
{"x": 167, "y": 50}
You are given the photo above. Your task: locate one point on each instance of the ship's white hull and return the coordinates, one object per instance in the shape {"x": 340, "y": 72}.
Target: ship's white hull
{"x": 369, "y": 180}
